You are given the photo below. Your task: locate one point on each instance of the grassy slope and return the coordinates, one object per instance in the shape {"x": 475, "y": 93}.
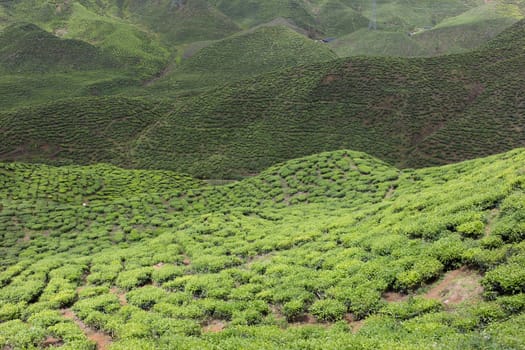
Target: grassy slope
{"x": 255, "y": 52}
{"x": 469, "y": 30}
{"x": 377, "y": 43}
{"x": 25, "y": 48}
{"x": 153, "y": 258}
{"x": 79, "y": 131}
{"x": 455, "y": 27}
{"x": 38, "y": 67}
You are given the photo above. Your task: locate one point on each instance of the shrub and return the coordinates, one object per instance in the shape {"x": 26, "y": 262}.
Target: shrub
{"x": 146, "y": 297}
{"x": 10, "y": 311}
{"x": 167, "y": 273}
{"x": 134, "y": 278}
{"x": 328, "y": 310}
{"x": 508, "y": 278}
{"x": 293, "y": 309}
{"x": 411, "y": 308}
{"x": 474, "y": 229}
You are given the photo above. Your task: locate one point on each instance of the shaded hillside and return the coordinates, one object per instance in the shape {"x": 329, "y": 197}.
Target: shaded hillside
{"x": 179, "y": 21}
{"x": 95, "y": 23}
{"x": 410, "y": 112}
{"x": 469, "y": 30}
{"x": 26, "y": 48}
{"x": 78, "y": 131}
{"x": 336, "y": 250}
{"x": 263, "y": 50}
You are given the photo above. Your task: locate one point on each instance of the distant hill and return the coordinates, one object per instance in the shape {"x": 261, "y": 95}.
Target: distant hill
{"x": 27, "y": 48}
{"x": 78, "y": 131}
{"x": 265, "y": 49}
{"x": 410, "y": 112}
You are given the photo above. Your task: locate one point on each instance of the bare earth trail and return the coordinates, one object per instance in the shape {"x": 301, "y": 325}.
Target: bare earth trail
{"x": 458, "y": 286}
{"x": 102, "y": 340}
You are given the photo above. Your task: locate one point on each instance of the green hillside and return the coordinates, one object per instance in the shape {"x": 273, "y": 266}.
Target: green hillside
{"x": 25, "y": 48}
{"x": 78, "y": 131}
{"x": 377, "y": 43}
{"x": 262, "y": 174}
{"x": 469, "y": 30}
{"x": 242, "y": 56}
{"x": 337, "y": 250}
{"x": 409, "y": 112}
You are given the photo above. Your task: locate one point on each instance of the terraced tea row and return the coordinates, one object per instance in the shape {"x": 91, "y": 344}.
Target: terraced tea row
{"x": 316, "y": 240}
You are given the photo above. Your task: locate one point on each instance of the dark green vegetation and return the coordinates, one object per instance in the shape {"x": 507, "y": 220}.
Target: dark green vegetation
{"x": 410, "y": 112}
{"x": 338, "y": 250}
{"x": 333, "y": 251}
{"x": 259, "y": 51}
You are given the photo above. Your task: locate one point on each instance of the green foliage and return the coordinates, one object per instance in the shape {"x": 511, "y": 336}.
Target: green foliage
{"x": 328, "y": 237}
{"x": 134, "y": 278}
{"x": 328, "y": 310}
{"x": 293, "y": 309}
{"x": 507, "y": 278}
{"x": 473, "y": 229}
{"x": 405, "y": 310}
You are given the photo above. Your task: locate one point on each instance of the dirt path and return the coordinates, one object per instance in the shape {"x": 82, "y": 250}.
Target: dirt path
{"x": 102, "y": 340}
{"x": 490, "y": 221}
{"x": 120, "y": 295}
{"x": 214, "y": 326}
{"x": 392, "y": 297}
{"x": 457, "y": 286}
{"x": 390, "y": 192}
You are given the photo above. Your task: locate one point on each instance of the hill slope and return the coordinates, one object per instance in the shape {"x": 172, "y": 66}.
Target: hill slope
{"x": 268, "y": 48}
{"x": 27, "y": 48}
{"x": 410, "y": 112}
{"x": 336, "y": 250}
{"x": 78, "y": 131}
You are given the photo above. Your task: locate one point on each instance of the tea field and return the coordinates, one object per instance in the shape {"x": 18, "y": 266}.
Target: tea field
{"x": 409, "y": 112}
{"x": 333, "y": 251}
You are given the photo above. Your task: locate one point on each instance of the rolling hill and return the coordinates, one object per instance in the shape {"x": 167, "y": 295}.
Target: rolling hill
{"x": 26, "y": 48}
{"x": 335, "y": 250}
{"x": 264, "y": 49}
{"x": 329, "y": 217}
{"x": 410, "y": 112}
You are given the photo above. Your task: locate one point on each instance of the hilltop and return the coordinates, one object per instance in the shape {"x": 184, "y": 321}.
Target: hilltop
{"x": 333, "y": 250}
{"x": 265, "y": 49}
{"x": 27, "y": 48}
{"x": 137, "y": 45}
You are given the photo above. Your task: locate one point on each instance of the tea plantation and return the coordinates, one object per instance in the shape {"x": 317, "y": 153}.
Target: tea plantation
{"x": 334, "y": 251}
{"x": 410, "y": 112}
{"x": 212, "y": 174}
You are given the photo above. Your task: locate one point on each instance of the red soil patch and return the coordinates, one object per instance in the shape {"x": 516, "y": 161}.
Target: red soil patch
{"x": 214, "y": 326}
{"x": 52, "y": 342}
{"x": 102, "y": 340}
{"x": 490, "y": 221}
{"x": 186, "y": 261}
{"x": 329, "y": 79}
{"x": 457, "y": 286}
{"x": 356, "y": 326}
{"x": 353, "y": 323}
{"x": 121, "y": 296}
{"x": 390, "y": 192}
{"x": 393, "y": 297}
